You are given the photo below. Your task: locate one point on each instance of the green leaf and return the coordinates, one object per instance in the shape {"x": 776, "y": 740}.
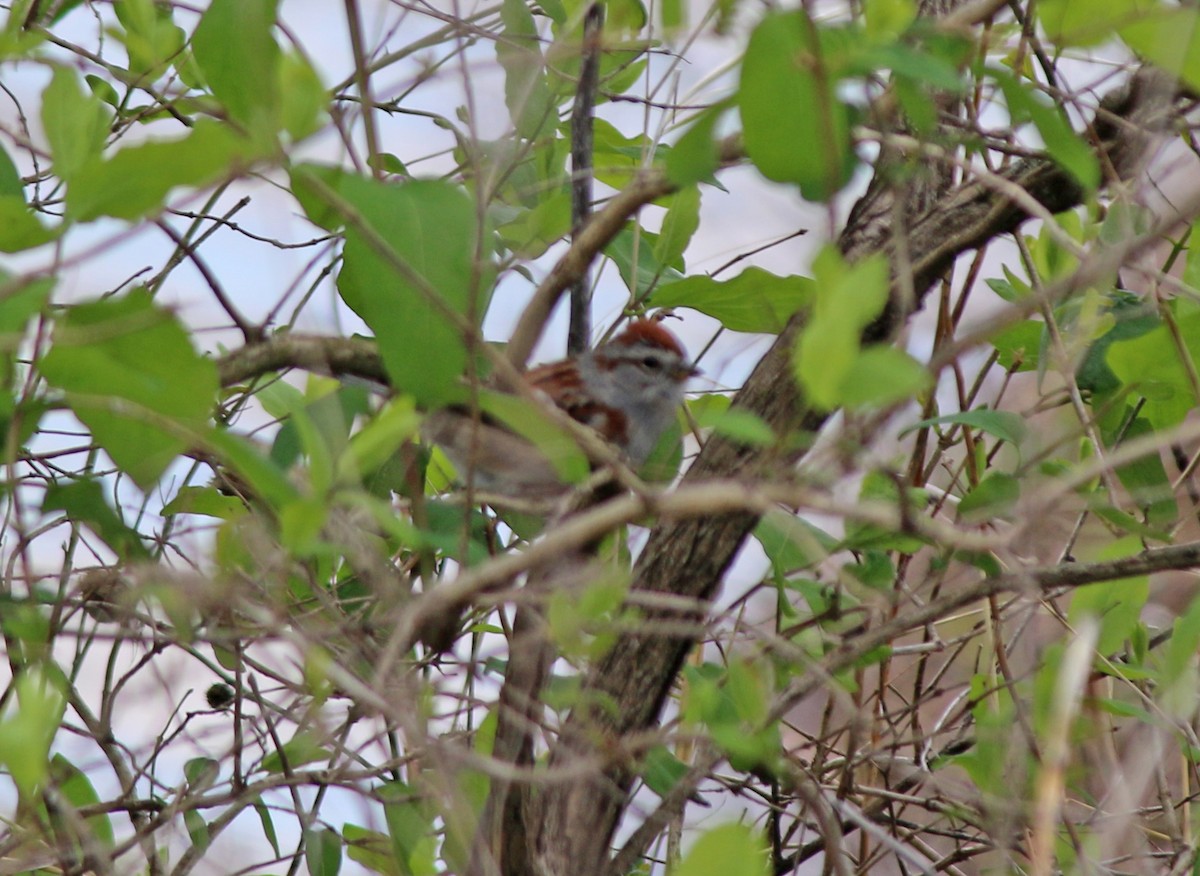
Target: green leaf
{"x": 83, "y": 502}
{"x": 318, "y": 428}
{"x": 30, "y": 723}
{"x": 625, "y": 16}
{"x": 880, "y": 488}
{"x": 303, "y": 748}
{"x": 409, "y": 264}
{"x": 728, "y": 850}
{"x": 410, "y": 828}
{"x": 1005, "y": 425}
{"x": 662, "y": 770}
{"x": 847, "y": 299}
{"x": 371, "y": 849}
{"x": 875, "y": 569}
{"x": 237, "y": 53}
{"x": 1180, "y": 684}
{"x": 792, "y": 543}
{"x": 581, "y": 623}
{"x": 267, "y": 482}
{"x": 1150, "y": 366}
{"x": 104, "y": 90}
{"x": 617, "y": 157}
{"x": 1134, "y": 317}
{"x": 635, "y": 243}
{"x": 206, "y": 502}
{"x": 739, "y": 425}
{"x": 887, "y": 19}
{"x": 15, "y": 39}
{"x": 710, "y": 405}
{"x": 317, "y": 449}
{"x": 305, "y": 99}
{"x": 1089, "y": 22}
{"x": 526, "y": 92}
{"x": 200, "y": 773}
{"x": 732, "y": 704}
{"x": 1053, "y": 260}
{"x": 1116, "y": 604}
{"x": 994, "y": 496}
{"x": 1116, "y": 707}
{"x": 873, "y": 657}
{"x": 753, "y": 301}
{"x": 555, "y": 10}
{"x": 76, "y": 123}
{"x": 323, "y": 852}
{"x": 19, "y": 227}
{"x": 694, "y": 156}
{"x": 10, "y": 179}
{"x": 1127, "y": 523}
{"x": 1064, "y": 145}
{"x": 1191, "y": 269}
{"x": 27, "y": 628}
{"x": 131, "y": 375}
{"x": 1180, "y": 652}
{"x": 389, "y": 162}
{"x": 1019, "y": 345}
{"x": 1004, "y": 289}
{"x": 794, "y": 126}
{"x": 268, "y": 826}
{"x": 151, "y": 37}
{"x": 378, "y": 441}
{"x": 916, "y": 102}
{"x": 680, "y": 223}
{"x": 137, "y": 179}
{"x": 301, "y": 523}
{"x": 989, "y": 761}
{"x": 77, "y": 790}
{"x": 882, "y": 375}
{"x": 1169, "y": 37}
{"x": 197, "y": 829}
{"x": 21, "y": 300}
{"x": 747, "y": 686}
{"x": 911, "y": 65}
{"x": 534, "y": 231}
{"x": 281, "y": 399}
{"x": 672, "y": 15}
{"x": 620, "y": 70}
{"x": 1146, "y": 479}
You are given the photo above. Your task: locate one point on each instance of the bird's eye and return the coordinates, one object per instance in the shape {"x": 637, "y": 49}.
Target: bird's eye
{"x": 651, "y": 363}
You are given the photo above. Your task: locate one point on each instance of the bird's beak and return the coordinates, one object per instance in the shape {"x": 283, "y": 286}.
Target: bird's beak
{"x": 685, "y": 370}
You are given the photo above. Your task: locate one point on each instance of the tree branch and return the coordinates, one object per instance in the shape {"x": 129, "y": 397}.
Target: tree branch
{"x": 604, "y": 225}
{"x": 688, "y": 558}
{"x": 340, "y": 357}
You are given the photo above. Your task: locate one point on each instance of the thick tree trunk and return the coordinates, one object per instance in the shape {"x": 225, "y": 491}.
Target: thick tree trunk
{"x": 568, "y": 827}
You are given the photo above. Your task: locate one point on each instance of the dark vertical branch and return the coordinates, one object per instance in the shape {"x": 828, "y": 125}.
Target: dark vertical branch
{"x": 501, "y": 846}
{"x": 624, "y": 691}
{"x": 362, "y": 77}
{"x": 579, "y": 333}
{"x": 500, "y": 839}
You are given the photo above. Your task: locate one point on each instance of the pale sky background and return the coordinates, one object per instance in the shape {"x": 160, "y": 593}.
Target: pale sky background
{"x": 749, "y": 215}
